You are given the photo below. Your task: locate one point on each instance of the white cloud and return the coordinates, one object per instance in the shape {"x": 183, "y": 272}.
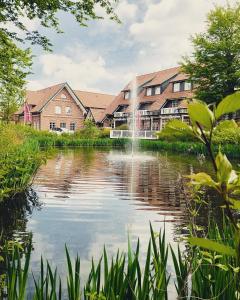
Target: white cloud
{"x": 83, "y": 68}
{"x": 126, "y": 11}
{"x": 165, "y": 30}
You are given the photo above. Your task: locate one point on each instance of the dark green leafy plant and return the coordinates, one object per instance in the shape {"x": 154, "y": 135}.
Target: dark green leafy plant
{"x": 226, "y": 181}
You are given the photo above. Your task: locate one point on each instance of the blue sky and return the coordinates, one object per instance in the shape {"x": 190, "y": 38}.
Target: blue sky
{"x": 104, "y": 56}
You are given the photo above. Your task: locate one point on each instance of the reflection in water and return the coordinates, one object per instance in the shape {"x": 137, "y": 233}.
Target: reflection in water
{"x": 91, "y": 198}
{"x": 14, "y": 216}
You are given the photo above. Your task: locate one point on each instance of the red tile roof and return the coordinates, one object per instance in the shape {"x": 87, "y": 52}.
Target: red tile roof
{"x": 153, "y": 79}
{"x": 94, "y": 100}
{"x": 39, "y": 98}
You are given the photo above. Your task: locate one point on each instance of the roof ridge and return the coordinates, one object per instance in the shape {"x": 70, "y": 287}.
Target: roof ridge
{"x": 93, "y": 92}
{"x": 49, "y": 87}
{"x": 158, "y": 71}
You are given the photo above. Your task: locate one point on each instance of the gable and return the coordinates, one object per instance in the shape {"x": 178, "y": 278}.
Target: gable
{"x": 63, "y": 99}
{"x": 63, "y": 96}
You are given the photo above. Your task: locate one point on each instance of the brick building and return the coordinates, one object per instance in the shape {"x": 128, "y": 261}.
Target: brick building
{"x": 162, "y": 96}
{"x": 60, "y": 106}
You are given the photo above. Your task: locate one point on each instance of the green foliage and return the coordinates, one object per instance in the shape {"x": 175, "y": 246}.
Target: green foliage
{"x": 213, "y": 246}
{"x": 89, "y": 131}
{"x": 14, "y": 12}
{"x": 122, "y": 127}
{"x": 19, "y": 160}
{"x": 14, "y": 67}
{"x": 228, "y": 105}
{"x": 214, "y": 65}
{"x": 205, "y": 275}
{"x": 176, "y": 130}
{"x": 226, "y": 181}
{"x": 104, "y": 132}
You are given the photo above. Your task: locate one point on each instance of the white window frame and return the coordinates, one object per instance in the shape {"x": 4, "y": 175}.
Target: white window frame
{"x": 63, "y": 96}
{"x": 149, "y": 91}
{"x": 58, "y": 110}
{"x": 63, "y": 126}
{"x": 68, "y": 110}
{"x": 176, "y": 86}
{"x": 72, "y": 126}
{"x": 127, "y": 95}
{"x": 174, "y": 103}
{"x": 158, "y": 90}
{"x": 187, "y": 86}
{"x": 52, "y": 125}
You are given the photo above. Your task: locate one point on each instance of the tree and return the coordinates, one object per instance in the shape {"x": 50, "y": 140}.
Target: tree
{"x": 14, "y": 67}
{"x": 214, "y": 67}
{"x": 14, "y": 62}
{"x": 14, "y": 12}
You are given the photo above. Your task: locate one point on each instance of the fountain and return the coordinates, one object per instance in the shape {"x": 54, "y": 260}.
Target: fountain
{"x": 134, "y": 127}
{"x": 134, "y": 124}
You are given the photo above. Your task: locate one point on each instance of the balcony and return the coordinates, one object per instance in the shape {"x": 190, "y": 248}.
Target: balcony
{"x": 141, "y": 134}
{"x": 120, "y": 114}
{"x": 173, "y": 110}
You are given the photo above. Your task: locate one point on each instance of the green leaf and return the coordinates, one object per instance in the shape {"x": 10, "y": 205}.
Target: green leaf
{"x": 224, "y": 168}
{"x": 200, "y": 113}
{"x": 235, "y": 204}
{"x": 202, "y": 179}
{"x": 212, "y": 246}
{"x": 223, "y": 267}
{"x": 228, "y": 105}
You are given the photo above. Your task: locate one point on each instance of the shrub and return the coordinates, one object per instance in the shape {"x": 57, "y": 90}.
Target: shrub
{"x": 176, "y": 131}
{"x": 122, "y": 127}
{"x": 104, "y": 132}
{"x": 227, "y": 132}
{"x": 90, "y": 131}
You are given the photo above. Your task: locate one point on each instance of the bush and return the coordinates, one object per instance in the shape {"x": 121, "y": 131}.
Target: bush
{"x": 227, "y": 132}
{"x": 176, "y": 131}
{"x": 104, "y": 132}
{"x": 122, "y": 127}
{"x": 90, "y": 131}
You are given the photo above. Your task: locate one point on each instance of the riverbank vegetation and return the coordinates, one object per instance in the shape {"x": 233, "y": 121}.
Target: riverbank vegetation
{"x": 20, "y": 158}
{"x": 209, "y": 267}
{"x": 195, "y": 273}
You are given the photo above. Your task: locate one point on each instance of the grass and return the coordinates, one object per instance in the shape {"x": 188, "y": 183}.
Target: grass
{"x": 198, "y": 274}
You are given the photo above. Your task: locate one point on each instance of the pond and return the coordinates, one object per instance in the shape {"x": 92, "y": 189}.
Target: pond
{"x": 88, "y": 198}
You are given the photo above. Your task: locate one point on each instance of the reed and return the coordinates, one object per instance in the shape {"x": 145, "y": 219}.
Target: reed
{"x": 197, "y": 274}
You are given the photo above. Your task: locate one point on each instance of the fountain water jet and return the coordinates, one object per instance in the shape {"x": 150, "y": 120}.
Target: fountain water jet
{"x": 134, "y": 126}
{"x": 133, "y": 155}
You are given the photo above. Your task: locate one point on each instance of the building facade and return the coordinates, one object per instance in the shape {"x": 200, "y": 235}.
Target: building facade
{"x": 161, "y": 96}
{"x": 59, "y": 106}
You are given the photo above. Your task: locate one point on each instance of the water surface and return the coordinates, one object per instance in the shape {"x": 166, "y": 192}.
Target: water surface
{"x": 91, "y": 198}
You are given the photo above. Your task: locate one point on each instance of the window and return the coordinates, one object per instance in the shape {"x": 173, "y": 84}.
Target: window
{"x": 158, "y": 90}
{"x": 72, "y": 126}
{"x": 174, "y": 103}
{"x": 63, "y": 96}
{"x": 176, "y": 87}
{"x": 52, "y": 125}
{"x": 68, "y": 110}
{"x": 62, "y": 125}
{"x": 127, "y": 95}
{"x": 187, "y": 86}
{"x": 149, "y": 91}
{"x": 58, "y": 110}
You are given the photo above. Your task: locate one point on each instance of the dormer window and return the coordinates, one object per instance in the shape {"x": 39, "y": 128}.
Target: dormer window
{"x": 176, "y": 87}
{"x": 182, "y": 86}
{"x": 187, "y": 86}
{"x": 63, "y": 96}
{"x": 158, "y": 90}
{"x": 149, "y": 91}
{"x": 127, "y": 95}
